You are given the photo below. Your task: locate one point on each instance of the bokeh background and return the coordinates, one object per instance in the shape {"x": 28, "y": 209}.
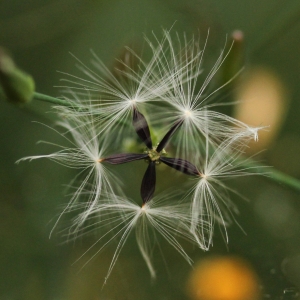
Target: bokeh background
{"x": 40, "y": 35}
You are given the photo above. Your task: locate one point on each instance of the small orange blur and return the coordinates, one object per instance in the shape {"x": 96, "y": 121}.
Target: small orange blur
{"x": 223, "y": 278}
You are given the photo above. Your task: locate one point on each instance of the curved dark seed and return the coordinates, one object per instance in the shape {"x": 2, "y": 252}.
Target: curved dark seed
{"x": 148, "y": 183}
{"x": 168, "y": 135}
{"x": 181, "y": 165}
{"x": 123, "y": 158}
{"x": 141, "y": 127}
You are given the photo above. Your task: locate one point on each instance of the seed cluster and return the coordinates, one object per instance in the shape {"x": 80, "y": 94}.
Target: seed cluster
{"x": 154, "y": 155}
{"x": 105, "y": 108}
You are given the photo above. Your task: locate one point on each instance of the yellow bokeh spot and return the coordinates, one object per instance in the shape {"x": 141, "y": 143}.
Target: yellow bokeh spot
{"x": 263, "y": 102}
{"x": 223, "y": 278}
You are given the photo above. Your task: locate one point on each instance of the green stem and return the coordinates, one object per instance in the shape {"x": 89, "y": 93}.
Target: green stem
{"x": 49, "y": 99}
{"x": 285, "y": 179}
{"x": 69, "y": 104}
{"x": 273, "y": 174}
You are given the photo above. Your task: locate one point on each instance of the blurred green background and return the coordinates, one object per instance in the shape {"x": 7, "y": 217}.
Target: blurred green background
{"x": 40, "y": 35}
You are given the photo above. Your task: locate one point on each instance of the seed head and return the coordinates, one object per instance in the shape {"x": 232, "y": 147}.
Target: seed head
{"x": 168, "y": 93}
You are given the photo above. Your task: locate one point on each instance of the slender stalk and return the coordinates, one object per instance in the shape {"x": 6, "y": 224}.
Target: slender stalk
{"x": 62, "y": 102}
{"x": 53, "y": 100}
{"x": 273, "y": 174}
{"x": 284, "y": 179}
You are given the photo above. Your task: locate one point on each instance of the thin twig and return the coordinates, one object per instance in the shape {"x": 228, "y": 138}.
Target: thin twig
{"x": 53, "y": 100}
{"x": 285, "y": 179}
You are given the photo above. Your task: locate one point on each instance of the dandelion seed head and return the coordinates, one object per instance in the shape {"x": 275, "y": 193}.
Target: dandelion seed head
{"x": 133, "y": 101}
{"x": 204, "y": 176}
{"x": 188, "y": 113}
{"x": 115, "y": 221}
{"x": 144, "y": 208}
{"x": 168, "y": 89}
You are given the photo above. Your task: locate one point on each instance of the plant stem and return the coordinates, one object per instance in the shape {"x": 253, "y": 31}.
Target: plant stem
{"x": 69, "y": 104}
{"x": 285, "y": 179}
{"x": 274, "y": 174}
{"x": 49, "y": 99}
